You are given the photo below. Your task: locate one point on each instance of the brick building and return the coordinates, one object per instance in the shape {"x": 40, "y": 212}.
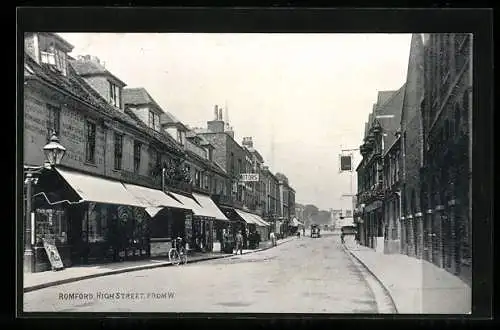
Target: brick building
{"x": 412, "y": 151}
{"x": 82, "y": 205}
{"x": 447, "y": 170}
{"x": 380, "y": 135}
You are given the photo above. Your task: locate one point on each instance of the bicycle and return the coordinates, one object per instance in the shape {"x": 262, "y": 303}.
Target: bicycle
{"x": 177, "y": 254}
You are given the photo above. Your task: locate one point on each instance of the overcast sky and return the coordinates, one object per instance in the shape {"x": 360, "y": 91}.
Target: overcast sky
{"x": 302, "y": 97}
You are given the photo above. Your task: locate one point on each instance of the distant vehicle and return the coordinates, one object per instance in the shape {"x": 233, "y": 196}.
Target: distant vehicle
{"x": 315, "y": 231}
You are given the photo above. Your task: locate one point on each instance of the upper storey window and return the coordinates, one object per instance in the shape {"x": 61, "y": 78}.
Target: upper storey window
{"x": 52, "y": 55}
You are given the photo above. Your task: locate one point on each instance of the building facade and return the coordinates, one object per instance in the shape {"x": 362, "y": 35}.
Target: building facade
{"x": 380, "y": 134}
{"x": 447, "y": 170}
{"x": 103, "y": 144}
{"x": 412, "y": 152}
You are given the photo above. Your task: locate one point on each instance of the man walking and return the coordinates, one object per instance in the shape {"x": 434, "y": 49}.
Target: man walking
{"x": 239, "y": 242}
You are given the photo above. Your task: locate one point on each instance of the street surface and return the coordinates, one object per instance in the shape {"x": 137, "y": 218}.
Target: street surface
{"x": 306, "y": 275}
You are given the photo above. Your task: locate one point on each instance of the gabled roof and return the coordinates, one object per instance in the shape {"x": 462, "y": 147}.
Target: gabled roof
{"x": 393, "y": 107}
{"x": 140, "y": 96}
{"x": 86, "y": 68}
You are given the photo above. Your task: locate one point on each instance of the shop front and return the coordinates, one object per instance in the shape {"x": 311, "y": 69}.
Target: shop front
{"x": 82, "y": 219}
{"x": 166, "y": 218}
{"x": 214, "y": 224}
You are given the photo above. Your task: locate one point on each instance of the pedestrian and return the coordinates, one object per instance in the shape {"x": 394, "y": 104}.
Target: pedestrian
{"x": 272, "y": 236}
{"x": 303, "y": 231}
{"x": 342, "y": 237}
{"x": 239, "y": 242}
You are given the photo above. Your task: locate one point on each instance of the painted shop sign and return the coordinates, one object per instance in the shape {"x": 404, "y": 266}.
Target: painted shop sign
{"x": 53, "y": 254}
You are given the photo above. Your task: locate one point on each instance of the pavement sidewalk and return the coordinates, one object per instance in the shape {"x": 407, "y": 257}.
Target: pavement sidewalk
{"x": 416, "y": 286}
{"x": 36, "y": 281}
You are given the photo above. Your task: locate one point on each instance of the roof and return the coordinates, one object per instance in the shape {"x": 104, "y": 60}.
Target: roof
{"x": 392, "y": 107}
{"x": 384, "y": 96}
{"x": 76, "y": 86}
{"x": 139, "y": 96}
{"x": 92, "y": 68}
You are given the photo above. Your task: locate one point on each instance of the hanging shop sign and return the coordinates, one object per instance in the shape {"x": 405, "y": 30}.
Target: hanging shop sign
{"x": 188, "y": 226}
{"x": 53, "y": 254}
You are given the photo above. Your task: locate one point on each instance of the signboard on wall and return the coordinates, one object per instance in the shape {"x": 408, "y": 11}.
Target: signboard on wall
{"x": 249, "y": 177}
{"x": 53, "y": 255}
{"x": 346, "y": 163}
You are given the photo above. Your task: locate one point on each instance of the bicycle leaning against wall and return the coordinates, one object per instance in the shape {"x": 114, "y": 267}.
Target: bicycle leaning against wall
{"x": 178, "y": 253}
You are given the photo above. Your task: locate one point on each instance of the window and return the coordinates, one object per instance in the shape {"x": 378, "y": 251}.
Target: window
{"x": 97, "y": 222}
{"x": 240, "y": 166}
{"x": 137, "y": 156}
{"x": 118, "y": 151}
{"x": 154, "y": 123}
{"x": 54, "y": 121}
{"x": 49, "y": 54}
{"x": 51, "y": 224}
{"x": 90, "y": 132}
{"x": 205, "y": 182}
{"x": 197, "y": 179}
{"x": 114, "y": 95}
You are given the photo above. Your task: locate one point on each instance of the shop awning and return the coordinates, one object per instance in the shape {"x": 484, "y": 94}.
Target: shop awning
{"x": 248, "y": 217}
{"x": 95, "y": 189}
{"x": 189, "y": 203}
{"x": 209, "y": 207}
{"x": 152, "y": 197}
{"x": 260, "y": 220}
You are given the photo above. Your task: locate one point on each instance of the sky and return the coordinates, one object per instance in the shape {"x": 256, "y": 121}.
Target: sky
{"x": 301, "y": 97}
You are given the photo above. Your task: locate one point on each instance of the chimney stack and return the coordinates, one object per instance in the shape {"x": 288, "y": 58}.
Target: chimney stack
{"x": 220, "y": 114}
{"x": 216, "y": 112}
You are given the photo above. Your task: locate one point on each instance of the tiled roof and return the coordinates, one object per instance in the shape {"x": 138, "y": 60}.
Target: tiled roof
{"x": 139, "y": 96}
{"x": 78, "y": 87}
{"x": 89, "y": 67}
{"x": 136, "y": 96}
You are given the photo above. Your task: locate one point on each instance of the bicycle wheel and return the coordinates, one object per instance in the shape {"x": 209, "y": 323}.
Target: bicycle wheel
{"x": 173, "y": 256}
{"x": 183, "y": 256}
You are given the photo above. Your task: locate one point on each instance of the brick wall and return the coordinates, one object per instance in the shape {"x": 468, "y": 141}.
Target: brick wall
{"x": 72, "y": 137}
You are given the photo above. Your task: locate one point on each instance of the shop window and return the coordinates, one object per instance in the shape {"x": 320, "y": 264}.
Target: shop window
{"x": 51, "y": 224}
{"x": 90, "y": 133}
{"x": 97, "y": 222}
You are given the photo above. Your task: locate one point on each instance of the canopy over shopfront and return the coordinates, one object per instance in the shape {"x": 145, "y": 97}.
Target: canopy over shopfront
{"x": 209, "y": 208}
{"x": 189, "y": 203}
{"x": 260, "y": 220}
{"x": 156, "y": 199}
{"x": 95, "y": 189}
{"x": 251, "y": 218}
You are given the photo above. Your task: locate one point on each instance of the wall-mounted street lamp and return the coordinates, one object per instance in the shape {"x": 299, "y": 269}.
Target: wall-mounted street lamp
{"x": 54, "y": 153}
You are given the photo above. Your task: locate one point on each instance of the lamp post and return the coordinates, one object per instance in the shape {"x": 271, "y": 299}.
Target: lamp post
{"x": 54, "y": 152}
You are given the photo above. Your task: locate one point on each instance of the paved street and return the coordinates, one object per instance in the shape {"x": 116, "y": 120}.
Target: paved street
{"x": 305, "y": 275}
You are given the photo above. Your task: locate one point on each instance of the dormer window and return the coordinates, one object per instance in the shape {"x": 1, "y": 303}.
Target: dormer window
{"x": 114, "y": 95}
{"x": 51, "y": 55}
{"x": 154, "y": 120}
